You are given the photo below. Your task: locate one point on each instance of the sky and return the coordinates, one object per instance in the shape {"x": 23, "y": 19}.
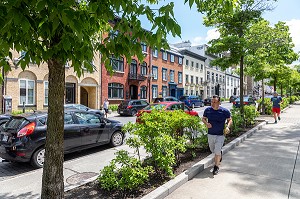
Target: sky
{"x": 192, "y": 27}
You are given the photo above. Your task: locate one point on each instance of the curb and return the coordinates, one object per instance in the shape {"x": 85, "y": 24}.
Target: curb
{"x": 170, "y": 186}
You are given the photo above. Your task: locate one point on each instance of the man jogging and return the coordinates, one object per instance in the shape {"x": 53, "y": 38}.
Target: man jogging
{"x": 276, "y": 100}
{"x": 214, "y": 117}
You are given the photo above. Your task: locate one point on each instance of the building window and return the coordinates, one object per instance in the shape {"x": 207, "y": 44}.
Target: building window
{"x": 144, "y": 68}
{"x": 164, "y": 74}
{"x": 197, "y": 80}
{"x": 201, "y": 67}
{"x": 172, "y": 58}
{"x": 179, "y": 60}
{"x": 155, "y": 52}
{"x": 143, "y": 92}
{"x": 179, "y": 77}
{"x": 208, "y": 91}
{"x": 227, "y": 81}
{"x": 197, "y": 65}
{"x": 27, "y": 91}
{"x": 192, "y": 79}
{"x": 201, "y": 80}
{"x": 186, "y": 92}
{"x": 154, "y": 91}
{"x": 46, "y": 89}
{"x": 192, "y": 64}
{"x": 192, "y": 92}
{"x": 212, "y": 77}
{"x": 217, "y": 78}
{"x": 187, "y": 78}
{"x": 115, "y": 90}
{"x": 208, "y": 75}
{"x": 164, "y": 56}
{"x": 187, "y": 62}
{"x": 172, "y": 78}
{"x": 164, "y": 91}
{"x": 155, "y": 72}
{"x": 117, "y": 63}
{"x": 144, "y": 47}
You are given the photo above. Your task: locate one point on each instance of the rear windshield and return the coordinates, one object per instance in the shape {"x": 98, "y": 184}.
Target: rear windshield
{"x": 155, "y": 106}
{"x": 125, "y": 103}
{"x": 16, "y": 123}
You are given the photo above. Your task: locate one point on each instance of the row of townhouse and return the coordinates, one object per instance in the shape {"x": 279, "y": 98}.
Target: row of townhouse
{"x": 174, "y": 72}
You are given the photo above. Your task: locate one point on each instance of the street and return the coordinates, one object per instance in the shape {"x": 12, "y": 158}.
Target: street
{"x": 10, "y": 170}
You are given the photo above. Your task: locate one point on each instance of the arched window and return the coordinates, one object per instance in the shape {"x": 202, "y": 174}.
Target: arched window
{"x": 144, "y": 68}
{"x": 117, "y": 63}
{"x": 115, "y": 90}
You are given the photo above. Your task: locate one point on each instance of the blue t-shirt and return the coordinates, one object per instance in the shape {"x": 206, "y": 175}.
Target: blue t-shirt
{"x": 217, "y": 119}
{"x": 276, "y": 101}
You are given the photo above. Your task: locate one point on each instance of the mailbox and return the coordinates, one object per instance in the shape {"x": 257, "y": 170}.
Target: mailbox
{"x": 7, "y": 101}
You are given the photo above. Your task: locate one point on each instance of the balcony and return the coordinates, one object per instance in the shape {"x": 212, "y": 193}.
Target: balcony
{"x": 135, "y": 76}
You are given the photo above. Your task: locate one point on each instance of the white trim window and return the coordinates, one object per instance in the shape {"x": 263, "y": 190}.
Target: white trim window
{"x": 164, "y": 56}
{"x": 27, "y": 91}
{"x": 172, "y": 76}
{"x": 172, "y": 58}
{"x": 46, "y": 90}
{"x": 155, "y": 72}
{"x": 179, "y": 77}
{"x": 154, "y": 91}
{"x": 164, "y": 91}
{"x": 155, "y": 52}
{"x": 164, "y": 74}
{"x": 179, "y": 60}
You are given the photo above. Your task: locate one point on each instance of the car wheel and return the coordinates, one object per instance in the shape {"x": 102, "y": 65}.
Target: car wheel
{"x": 37, "y": 159}
{"x": 193, "y": 106}
{"x": 116, "y": 139}
{"x": 133, "y": 112}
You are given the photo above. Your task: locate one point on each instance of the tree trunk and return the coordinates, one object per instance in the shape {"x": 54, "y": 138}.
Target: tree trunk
{"x": 242, "y": 87}
{"x": 275, "y": 82}
{"x": 53, "y": 180}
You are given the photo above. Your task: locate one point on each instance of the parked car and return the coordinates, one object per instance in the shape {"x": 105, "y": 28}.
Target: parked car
{"x": 4, "y": 118}
{"x": 83, "y": 108}
{"x": 247, "y": 101}
{"x": 22, "y": 138}
{"x": 131, "y": 107}
{"x": 232, "y": 98}
{"x": 192, "y": 101}
{"x": 207, "y": 101}
{"x": 166, "y": 99}
{"x": 168, "y": 106}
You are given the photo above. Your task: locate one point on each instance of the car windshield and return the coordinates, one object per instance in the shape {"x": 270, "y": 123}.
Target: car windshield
{"x": 245, "y": 99}
{"x": 155, "y": 106}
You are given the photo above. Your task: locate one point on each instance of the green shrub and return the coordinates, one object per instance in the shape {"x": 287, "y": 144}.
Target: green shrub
{"x": 113, "y": 107}
{"x": 250, "y": 114}
{"x": 124, "y": 173}
{"x": 237, "y": 121}
{"x": 163, "y": 135}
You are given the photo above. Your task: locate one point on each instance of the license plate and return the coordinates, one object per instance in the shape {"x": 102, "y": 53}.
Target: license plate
{"x": 121, "y": 111}
{"x": 5, "y": 138}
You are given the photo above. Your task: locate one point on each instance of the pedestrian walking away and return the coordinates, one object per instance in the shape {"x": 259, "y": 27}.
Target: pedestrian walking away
{"x": 218, "y": 121}
{"x": 105, "y": 106}
{"x": 276, "y": 101}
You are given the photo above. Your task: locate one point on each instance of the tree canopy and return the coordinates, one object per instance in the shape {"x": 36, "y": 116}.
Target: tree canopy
{"x": 54, "y": 32}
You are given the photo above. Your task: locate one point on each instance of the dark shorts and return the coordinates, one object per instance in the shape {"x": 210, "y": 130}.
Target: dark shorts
{"x": 106, "y": 110}
{"x": 276, "y": 110}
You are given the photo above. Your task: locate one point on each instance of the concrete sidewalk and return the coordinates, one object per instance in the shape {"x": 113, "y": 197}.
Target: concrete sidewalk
{"x": 266, "y": 166}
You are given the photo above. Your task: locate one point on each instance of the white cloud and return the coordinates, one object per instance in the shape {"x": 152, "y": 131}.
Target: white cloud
{"x": 197, "y": 41}
{"x": 294, "y": 29}
{"x": 212, "y": 34}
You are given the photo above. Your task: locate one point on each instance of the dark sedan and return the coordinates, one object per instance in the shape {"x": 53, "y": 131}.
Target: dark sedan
{"x": 247, "y": 101}
{"x": 207, "y": 101}
{"x": 22, "y": 138}
{"x": 131, "y": 107}
{"x": 4, "y": 118}
{"x": 83, "y": 108}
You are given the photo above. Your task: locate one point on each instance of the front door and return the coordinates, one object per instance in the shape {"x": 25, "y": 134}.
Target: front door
{"x": 133, "y": 92}
{"x": 70, "y": 93}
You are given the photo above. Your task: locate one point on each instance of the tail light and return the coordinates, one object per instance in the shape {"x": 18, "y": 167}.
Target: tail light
{"x": 234, "y": 102}
{"x": 246, "y": 102}
{"x": 26, "y": 130}
{"x": 129, "y": 107}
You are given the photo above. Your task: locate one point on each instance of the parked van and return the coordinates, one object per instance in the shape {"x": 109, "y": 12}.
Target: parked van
{"x": 192, "y": 101}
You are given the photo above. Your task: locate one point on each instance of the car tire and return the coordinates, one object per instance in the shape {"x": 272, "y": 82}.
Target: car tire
{"x": 37, "y": 159}
{"x": 133, "y": 112}
{"x": 193, "y": 106}
{"x": 116, "y": 139}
